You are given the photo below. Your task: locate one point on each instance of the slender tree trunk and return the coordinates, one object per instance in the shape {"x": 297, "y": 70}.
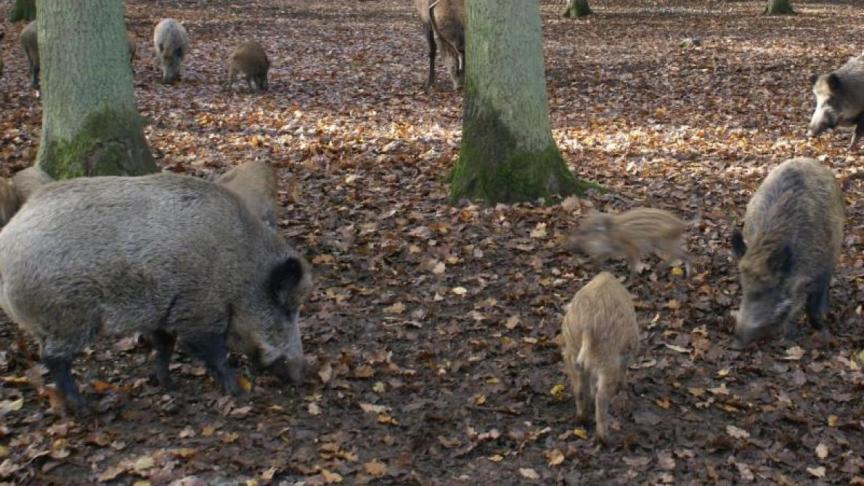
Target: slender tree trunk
{"x": 577, "y": 8}
{"x": 23, "y": 10}
{"x": 90, "y": 124}
{"x": 779, "y": 7}
{"x": 507, "y": 153}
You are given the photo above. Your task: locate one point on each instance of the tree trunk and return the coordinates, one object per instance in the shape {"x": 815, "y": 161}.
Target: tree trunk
{"x": 507, "y": 153}
{"x": 23, "y": 10}
{"x": 779, "y": 7}
{"x": 90, "y": 124}
{"x": 577, "y": 8}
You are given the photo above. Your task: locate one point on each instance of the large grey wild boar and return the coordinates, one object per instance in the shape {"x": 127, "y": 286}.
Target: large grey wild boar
{"x": 174, "y": 257}
{"x": 444, "y": 26}
{"x": 599, "y": 337}
{"x": 250, "y": 59}
{"x": 30, "y": 43}
{"x": 793, "y": 231}
{"x": 255, "y": 183}
{"x": 840, "y": 100}
{"x": 172, "y": 45}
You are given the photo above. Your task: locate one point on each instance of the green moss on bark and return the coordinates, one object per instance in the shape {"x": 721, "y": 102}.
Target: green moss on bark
{"x": 23, "y": 10}
{"x": 577, "y": 8}
{"x": 492, "y": 168}
{"x": 779, "y": 7}
{"x": 109, "y": 143}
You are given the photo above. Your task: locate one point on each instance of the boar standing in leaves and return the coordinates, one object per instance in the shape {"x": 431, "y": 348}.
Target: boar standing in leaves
{"x": 444, "y": 26}
{"x": 599, "y": 337}
{"x": 840, "y": 100}
{"x": 255, "y": 183}
{"x": 14, "y": 192}
{"x": 793, "y": 231}
{"x": 173, "y": 257}
{"x": 632, "y": 234}
{"x": 172, "y": 44}
{"x": 249, "y": 59}
{"x": 30, "y": 44}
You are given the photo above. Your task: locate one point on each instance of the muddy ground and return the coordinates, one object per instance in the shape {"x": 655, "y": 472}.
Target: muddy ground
{"x": 432, "y": 323}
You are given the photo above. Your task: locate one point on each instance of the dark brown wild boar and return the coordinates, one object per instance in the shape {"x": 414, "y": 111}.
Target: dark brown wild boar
{"x": 632, "y": 234}
{"x": 444, "y": 26}
{"x": 793, "y": 231}
{"x": 599, "y": 337}
{"x": 249, "y": 59}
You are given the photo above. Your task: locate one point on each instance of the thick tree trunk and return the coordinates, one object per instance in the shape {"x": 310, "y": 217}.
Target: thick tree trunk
{"x": 23, "y": 10}
{"x": 577, "y": 8}
{"x": 779, "y": 7}
{"x": 508, "y": 153}
{"x": 90, "y": 124}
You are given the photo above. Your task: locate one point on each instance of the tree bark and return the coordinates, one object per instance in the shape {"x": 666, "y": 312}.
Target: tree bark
{"x": 577, "y": 8}
{"x": 507, "y": 153}
{"x": 90, "y": 124}
{"x": 779, "y": 7}
{"x": 23, "y": 10}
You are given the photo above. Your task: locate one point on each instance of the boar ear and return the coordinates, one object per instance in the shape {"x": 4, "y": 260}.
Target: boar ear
{"x": 781, "y": 260}
{"x": 813, "y": 79}
{"x": 834, "y": 82}
{"x": 738, "y": 245}
{"x": 286, "y": 276}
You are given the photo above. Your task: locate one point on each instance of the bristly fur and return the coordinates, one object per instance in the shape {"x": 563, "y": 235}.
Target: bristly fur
{"x": 599, "y": 336}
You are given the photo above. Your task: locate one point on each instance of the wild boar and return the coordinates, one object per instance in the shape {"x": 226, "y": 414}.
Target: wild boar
{"x": 793, "y": 230}
{"x": 15, "y": 192}
{"x": 255, "y": 183}
{"x": 250, "y": 59}
{"x": 599, "y": 337}
{"x": 632, "y": 234}
{"x": 840, "y": 100}
{"x": 30, "y": 43}
{"x": 2, "y": 34}
{"x": 444, "y": 25}
{"x": 172, "y": 44}
{"x": 130, "y": 45}
{"x": 173, "y": 257}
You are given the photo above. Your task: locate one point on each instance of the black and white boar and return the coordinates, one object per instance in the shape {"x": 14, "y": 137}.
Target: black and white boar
{"x": 793, "y": 231}
{"x": 249, "y": 59}
{"x": 172, "y": 45}
{"x": 599, "y": 337}
{"x": 840, "y": 100}
{"x": 172, "y": 257}
{"x": 444, "y": 25}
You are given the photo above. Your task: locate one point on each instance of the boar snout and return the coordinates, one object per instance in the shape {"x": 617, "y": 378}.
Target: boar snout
{"x": 289, "y": 370}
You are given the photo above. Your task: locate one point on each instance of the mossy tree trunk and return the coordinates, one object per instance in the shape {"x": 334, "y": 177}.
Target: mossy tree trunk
{"x": 779, "y": 7}
{"x": 90, "y": 124}
{"x": 23, "y": 10}
{"x": 507, "y": 153}
{"x": 577, "y": 8}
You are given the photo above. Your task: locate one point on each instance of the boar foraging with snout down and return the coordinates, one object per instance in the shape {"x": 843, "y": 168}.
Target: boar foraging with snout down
{"x": 172, "y": 45}
{"x": 599, "y": 337}
{"x": 840, "y": 100}
{"x": 173, "y": 257}
{"x": 250, "y": 59}
{"x": 444, "y": 26}
{"x": 632, "y": 234}
{"x": 793, "y": 232}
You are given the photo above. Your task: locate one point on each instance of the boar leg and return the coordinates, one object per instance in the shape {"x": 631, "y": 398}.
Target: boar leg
{"x": 60, "y": 369}
{"x": 817, "y": 303}
{"x": 212, "y": 349}
{"x": 580, "y": 385}
{"x": 859, "y": 130}
{"x": 164, "y": 344}
{"x": 606, "y": 387}
{"x": 433, "y": 48}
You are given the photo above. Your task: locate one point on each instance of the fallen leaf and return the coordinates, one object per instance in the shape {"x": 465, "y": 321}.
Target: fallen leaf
{"x": 821, "y": 451}
{"x": 375, "y": 468}
{"x": 396, "y": 308}
{"x": 558, "y": 391}
{"x": 459, "y": 290}
{"x": 314, "y": 409}
{"x": 512, "y": 322}
{"x": 554, "y": 457}
{"x": 737, "y": 433}
{"x": 818, "y": 472}
{"x": 331, "y": 477}
{"x": 528, "y": 473}
{"x": 581, "y": 433}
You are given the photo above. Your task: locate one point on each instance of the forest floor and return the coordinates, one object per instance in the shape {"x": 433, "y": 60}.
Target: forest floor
{"x": 431, "y": 328}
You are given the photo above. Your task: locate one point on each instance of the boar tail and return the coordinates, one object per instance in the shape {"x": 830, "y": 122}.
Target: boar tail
{"x": 582, "y": 357}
